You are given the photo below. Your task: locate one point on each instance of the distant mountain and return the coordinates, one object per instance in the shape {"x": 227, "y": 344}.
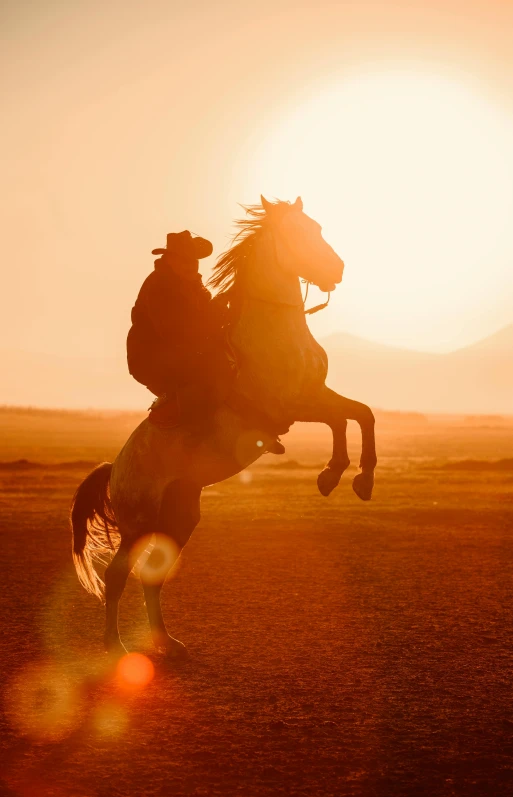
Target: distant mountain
{"x": 477, "y": 379}
{"x": 498, "y": 343}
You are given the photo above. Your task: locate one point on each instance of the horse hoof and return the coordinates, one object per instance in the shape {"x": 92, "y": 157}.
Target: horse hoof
{"x": 175, "y": 650}
{"x": 363, "y": 484}
{"x": 327, "y": 480}
{"x": 115, "y": 650}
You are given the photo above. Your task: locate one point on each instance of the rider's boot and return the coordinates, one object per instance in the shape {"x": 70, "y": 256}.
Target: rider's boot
{"x": 275, "y": 447}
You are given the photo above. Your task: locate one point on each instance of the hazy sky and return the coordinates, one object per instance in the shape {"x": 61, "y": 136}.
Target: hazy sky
{"x": 122, "y": 121}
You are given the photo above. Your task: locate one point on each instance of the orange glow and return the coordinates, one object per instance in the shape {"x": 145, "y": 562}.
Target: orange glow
{"x": 135, "y": 670}
{"x": 393, "y": 121}
{"x": 246, "y": 477}
{"x": 434, "y": 187}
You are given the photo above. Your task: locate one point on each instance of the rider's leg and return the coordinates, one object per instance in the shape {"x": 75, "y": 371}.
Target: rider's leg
{"x": 196, "y": 406}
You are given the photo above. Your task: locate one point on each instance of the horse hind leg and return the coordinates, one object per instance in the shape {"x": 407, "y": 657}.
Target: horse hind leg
{"x": 116, "y": 576}
{"x": 179, "y": 515}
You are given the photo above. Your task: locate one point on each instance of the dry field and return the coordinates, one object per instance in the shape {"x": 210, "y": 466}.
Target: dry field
{"x": 337, "y": 648}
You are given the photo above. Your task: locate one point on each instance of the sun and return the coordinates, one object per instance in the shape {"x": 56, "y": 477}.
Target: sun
{"x": 411, "y": 175}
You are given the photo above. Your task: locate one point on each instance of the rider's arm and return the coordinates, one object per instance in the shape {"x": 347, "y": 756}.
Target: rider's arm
{"x": 220, "y": 309}
{"x": 164, "y": 311}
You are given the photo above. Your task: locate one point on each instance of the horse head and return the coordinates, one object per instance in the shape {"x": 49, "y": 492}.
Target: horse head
{"x": 300, "y": 248}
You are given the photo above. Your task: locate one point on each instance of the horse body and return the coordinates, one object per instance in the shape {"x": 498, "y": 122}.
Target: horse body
{"x": 154, "y": 457}
{"x": 282, "y": 365}
{"x": 154, "y": 485}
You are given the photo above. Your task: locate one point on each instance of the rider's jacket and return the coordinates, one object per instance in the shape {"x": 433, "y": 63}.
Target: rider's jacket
{"x": 174, "y": 322}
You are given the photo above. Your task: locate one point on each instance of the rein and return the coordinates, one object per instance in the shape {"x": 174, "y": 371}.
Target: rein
{"x": 306, "y": 282}
{"x": 317, "y": 307}
{"x": 284, "y": 304}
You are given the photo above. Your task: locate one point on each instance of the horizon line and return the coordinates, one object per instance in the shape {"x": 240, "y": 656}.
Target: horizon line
{"x": 132, "y": 411}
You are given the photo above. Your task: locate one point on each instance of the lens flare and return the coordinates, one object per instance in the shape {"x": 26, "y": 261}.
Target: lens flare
{"x": 159, "y": 556}
{"x": 250, "y": 445}
{"x": 43, "y": 703}
{"x": 110, "y": 720}
{"x": 134, "y": 671}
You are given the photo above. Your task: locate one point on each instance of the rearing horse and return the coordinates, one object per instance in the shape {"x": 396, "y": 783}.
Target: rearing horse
{"x": 152, "y": 490}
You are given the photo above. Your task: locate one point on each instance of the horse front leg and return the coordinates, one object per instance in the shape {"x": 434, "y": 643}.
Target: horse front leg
{"x": 335, "y": 410}
{"x": 325, "y": 410}
{"x": 363, "y": 483}
{"x": 329, "y": 478}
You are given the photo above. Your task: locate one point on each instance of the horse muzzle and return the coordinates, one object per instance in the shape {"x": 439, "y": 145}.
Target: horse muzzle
{"x": 334, "y": 277}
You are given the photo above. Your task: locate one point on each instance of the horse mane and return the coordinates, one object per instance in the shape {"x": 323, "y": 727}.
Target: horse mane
{"x": 227, "y": 267}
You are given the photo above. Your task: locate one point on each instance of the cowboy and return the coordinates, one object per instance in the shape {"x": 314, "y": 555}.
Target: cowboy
{"x": 175, "y": 345}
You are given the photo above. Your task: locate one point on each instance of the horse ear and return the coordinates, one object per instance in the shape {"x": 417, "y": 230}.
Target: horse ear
{"x": 298, "y": 203}
{"x": 265, "y": 204}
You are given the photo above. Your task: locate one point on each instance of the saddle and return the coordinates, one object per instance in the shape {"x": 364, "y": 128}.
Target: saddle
{"x": 165, "y": 411}
{"x": 165, "y": 414}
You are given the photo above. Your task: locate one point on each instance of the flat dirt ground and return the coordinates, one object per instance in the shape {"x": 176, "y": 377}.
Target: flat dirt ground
{"x": 337, "y": 647}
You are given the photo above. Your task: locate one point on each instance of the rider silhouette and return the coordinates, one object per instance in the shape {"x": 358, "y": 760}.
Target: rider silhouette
{"x": 175, "y": 344}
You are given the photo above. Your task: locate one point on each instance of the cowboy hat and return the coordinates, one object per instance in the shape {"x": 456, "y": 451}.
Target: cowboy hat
{"x": 182, "y": 243}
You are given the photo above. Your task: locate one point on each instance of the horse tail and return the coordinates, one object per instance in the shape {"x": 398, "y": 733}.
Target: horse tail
{"x": 93, "y": 527}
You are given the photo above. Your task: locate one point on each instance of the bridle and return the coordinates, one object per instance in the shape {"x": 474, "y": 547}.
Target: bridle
{"x": 310, "y": 311}
{"x": 306, "y": 282}
{"x": 317, "y": 307}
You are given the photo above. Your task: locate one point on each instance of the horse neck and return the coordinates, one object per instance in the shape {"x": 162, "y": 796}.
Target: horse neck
{"x": 270, "y": 306}
{"x": 274, "y": 348}
{"x": 264, "y": 280}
